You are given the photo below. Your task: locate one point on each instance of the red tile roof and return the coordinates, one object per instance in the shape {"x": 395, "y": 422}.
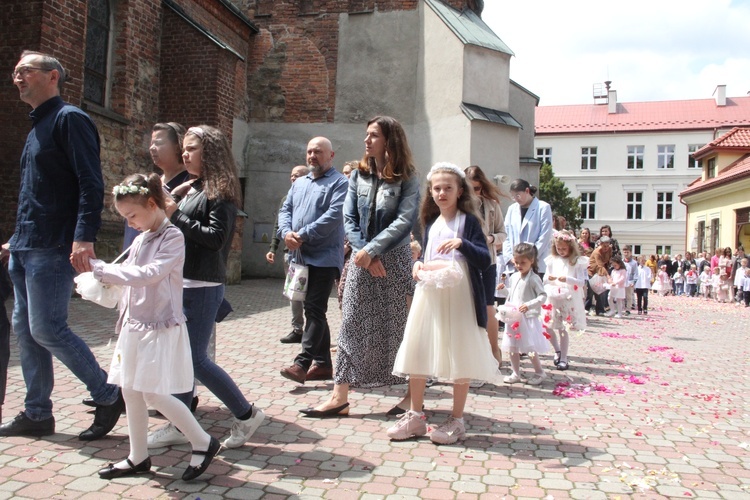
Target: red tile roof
{"x": 694, "y": 114}
{"x": 736, "y": 171}
{"x": 736, "y": 139}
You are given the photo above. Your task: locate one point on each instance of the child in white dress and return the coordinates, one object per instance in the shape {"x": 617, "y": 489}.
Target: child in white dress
{"x": 521, "y": 312}
{"x": 618, "y": 280}
{"x": 662, "y": 284}
{"x": 706, "y": 283}
{"x": 152, "y": 359}
{"x": 564, "y": 282}
{"x": 445, "y": 337}
{"x": 720, "y": 285}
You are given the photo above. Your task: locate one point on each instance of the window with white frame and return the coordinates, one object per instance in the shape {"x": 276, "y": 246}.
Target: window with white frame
{"x": 634, "y": 206}
{"x": 665, "y": 156}
{"x": 663, "y": 249}
{"x": 664, "y": 205}
{"x": 544, "y": 155}
{"x": 588, "y": 205}
{"x": 692, "y": 162}
{"x": 635, "y": 157}
{"x": 588, "y": 158}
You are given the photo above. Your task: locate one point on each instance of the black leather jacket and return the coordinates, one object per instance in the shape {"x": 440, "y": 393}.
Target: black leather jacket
{"x": 208, "y": 227}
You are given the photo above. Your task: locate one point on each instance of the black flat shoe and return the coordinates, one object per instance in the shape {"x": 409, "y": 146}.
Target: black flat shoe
{"x": 562, "y": 366}
{"x": 105, "y": 420}
{"x": 397, "y": 410}
{"x": 208, "y": 455}
{"x": 556, "y": 360}
{"x": 111, "y": 472}
{"x": 339, "y": 411}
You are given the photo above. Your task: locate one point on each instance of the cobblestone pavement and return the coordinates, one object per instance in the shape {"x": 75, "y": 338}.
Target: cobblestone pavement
{"x": 653, "y": 406}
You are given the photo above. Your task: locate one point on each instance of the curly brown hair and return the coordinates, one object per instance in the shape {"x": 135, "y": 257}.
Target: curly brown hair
{"x": 399, "y": 163}
{"x": 220, "y": 179}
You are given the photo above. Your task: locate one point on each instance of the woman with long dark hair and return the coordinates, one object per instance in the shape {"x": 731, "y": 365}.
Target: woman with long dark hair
{"x": 379, "y": 214}
{"x": 493, "y": 226}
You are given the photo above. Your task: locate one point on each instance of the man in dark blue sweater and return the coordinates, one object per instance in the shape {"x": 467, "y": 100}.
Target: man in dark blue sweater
{"x": 59, "y": 213}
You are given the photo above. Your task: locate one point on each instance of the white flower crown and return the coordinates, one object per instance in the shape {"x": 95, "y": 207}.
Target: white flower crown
{"x": 445, "y": 167}
{"x": 121, "y": 189}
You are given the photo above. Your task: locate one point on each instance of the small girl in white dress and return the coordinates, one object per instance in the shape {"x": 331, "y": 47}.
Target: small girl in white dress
{"x": 445, "y": 337}
{"x": 523, "y": 328}
{"x": 662, "y": 284}
{"x": 618, "y": 280}
{"x": 152, "y": 359}
{"x": 564, "y": 283}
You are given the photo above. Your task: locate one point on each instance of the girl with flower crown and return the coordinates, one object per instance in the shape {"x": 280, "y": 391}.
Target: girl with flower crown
{"x": 564, "y": 283}
{"x": 152, "y": 357}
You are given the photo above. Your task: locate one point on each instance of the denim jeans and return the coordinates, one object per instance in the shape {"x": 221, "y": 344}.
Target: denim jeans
{"x": 316, "y": 339}
{"x": 43, "y": 283}
{"x": 200, "y": 306}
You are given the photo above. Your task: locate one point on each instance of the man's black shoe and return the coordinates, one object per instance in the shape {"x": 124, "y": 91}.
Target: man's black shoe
{"x": 105, "y": 420}
{"x": 24, "y": 426}
{"x": 293, "y": 338}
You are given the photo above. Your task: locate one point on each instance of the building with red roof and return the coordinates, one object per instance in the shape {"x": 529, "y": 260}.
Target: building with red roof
{"x": 718, "y": 202}
{"x": 630, "y": 161}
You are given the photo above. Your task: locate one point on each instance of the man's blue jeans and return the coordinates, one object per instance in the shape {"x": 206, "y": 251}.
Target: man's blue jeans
{"x": 200, "y": 306}
{"x": 43, "y": 282}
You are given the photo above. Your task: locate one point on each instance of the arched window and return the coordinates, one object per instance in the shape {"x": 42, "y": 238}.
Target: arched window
{"x": 98, "y": 43}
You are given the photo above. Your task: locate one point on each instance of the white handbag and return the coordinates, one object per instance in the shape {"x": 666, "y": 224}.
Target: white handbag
{"x": 93, "y": 290}
{"x": 442, "y": 273}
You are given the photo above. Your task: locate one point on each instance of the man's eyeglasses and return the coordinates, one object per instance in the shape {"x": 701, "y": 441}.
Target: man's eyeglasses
{"x": 24, "y": 70}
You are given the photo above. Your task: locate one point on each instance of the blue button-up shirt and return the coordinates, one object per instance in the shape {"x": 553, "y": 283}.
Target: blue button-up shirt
{"x": 62, "y": 190}
{"x": 314, "y": 209}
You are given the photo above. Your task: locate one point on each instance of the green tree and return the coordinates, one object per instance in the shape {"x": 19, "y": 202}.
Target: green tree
{"x": 553, "y": 191}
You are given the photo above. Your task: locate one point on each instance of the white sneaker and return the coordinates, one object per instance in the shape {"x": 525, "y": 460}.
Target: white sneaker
{"x": 476, "y": 384}
{"x": 617, "y": 316}
{"x": 449, "y": 432}
{"x": 243, "y": 429}
{"x": 429, "y": 382}
{"x": 537, "y": 379}
{"x": 411, "y": 424}
{"x": 166, "y": 436}
{"x": 513, "y": 378}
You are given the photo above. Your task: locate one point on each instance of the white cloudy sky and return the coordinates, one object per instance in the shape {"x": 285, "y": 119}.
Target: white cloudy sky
{"x": 651, "y": 49}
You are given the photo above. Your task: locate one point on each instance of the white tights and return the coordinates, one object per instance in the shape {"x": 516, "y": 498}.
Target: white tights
{"x": 137, "y": 404}
{"x": 616, "y": 305}
{"x": 562, "y": 344}
{"x": 515, "y": 363}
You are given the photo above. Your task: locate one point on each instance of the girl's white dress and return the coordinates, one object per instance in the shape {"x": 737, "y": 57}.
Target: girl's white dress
{"x": 152, "y": 356}
{"x": 442, "y": 339}
{"x": 566, "y": 299}
{"x": 525, "y": 333}
{"x": 619, "y": 280}
{"x": 662, "y": 283}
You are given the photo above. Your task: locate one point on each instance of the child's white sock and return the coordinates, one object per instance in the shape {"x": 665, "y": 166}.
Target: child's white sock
{"x": 461, "y": 420}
